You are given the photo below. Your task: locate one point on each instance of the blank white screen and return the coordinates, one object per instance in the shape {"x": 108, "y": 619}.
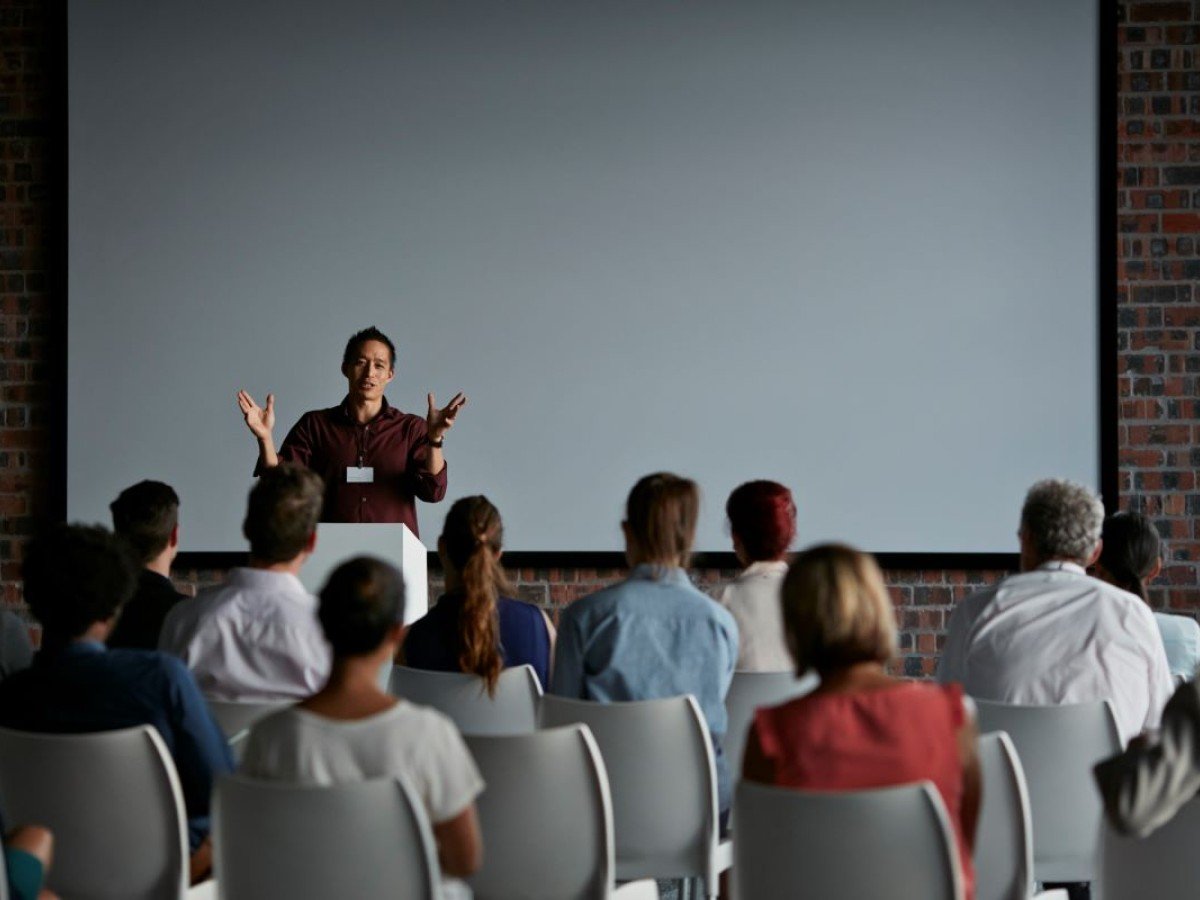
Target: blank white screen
{"x": 851, "y": 247}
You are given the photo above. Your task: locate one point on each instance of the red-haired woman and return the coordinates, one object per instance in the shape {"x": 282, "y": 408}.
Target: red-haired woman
{"x": 762, "y": 521}
{"x": 474, "y": 627}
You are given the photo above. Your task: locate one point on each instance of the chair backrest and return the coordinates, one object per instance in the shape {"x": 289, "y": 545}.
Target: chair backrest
{"x": 1057, "y": 746}
{"x": 363, "y": 839}
{"x": 464, "y": 698}
{"x": 233, "y": 717}
{"x": 663, "y": 780}
{"x": 112, "y": 800}
{"x": 748, "y": 692}
{"x": 1003, "y": 837}
{"x": 1165, "y": 865}
{"x": 891, "y": 842}
{"x": 546, "y": 816}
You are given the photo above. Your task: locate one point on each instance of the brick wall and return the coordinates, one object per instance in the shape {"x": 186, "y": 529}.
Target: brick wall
{"x": 1159, "y": 202}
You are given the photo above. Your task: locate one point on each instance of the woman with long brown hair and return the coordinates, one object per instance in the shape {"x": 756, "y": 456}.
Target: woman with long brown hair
{"x": 476, "y": 626}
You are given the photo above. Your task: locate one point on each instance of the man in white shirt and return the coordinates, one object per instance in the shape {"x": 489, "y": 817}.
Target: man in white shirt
{"x": 256, "y": 637}
{"x": 1053, "y": 634}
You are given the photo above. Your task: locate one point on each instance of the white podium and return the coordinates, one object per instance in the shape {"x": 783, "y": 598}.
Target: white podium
{"x": 339, "y": 541}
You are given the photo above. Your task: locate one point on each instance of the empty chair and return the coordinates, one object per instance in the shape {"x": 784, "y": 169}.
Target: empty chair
{"x": 365, "y": 839}
{"x": 112, "y": 800}
{"x": 747, "y": 692}
{"x": 1057, "y": 746}
{"x": 1003, "y": 838}
{"x": 464, "y": 698}
{"x": 891, "y": 842}
{"x": 1165, "y": 865}
{"x": 546, "y": 819}
{"x": 659, "y": 760}
{"x": 233, "y": 717}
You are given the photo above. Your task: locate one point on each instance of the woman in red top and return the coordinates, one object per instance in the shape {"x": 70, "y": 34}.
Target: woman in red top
{"x": 862, "y": 728}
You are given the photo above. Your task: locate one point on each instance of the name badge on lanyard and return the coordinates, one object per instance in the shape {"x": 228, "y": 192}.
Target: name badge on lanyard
{"x": 360, "y": 474}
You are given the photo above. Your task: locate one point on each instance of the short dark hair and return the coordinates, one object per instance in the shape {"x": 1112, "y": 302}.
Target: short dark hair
{"x": 144, "y": 516}
{"x": 282, "y": 512}
{"x": 362, "y": 599}
{"x": 75, "y": 576}
{"x": 361, "y": 337}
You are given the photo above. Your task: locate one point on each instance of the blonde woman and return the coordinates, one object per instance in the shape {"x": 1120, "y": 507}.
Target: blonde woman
{"x": 862, "y": 728}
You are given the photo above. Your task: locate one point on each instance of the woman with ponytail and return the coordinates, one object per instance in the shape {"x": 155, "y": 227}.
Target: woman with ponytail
{"x": 1131, "y": 556}
{"x": 476, "y": 626}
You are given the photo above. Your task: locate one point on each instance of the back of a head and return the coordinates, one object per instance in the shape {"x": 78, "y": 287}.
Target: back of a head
{"x": 1062, "y": 520}
{"x": 660, "y": 518}
{"x": 1130, "y": 550}
{"x": 282, "y": 512}
{"x": 472, "y": 540}
{"x": 144, "y": 516}
{"x": 75, "y": 576}
{"x": 762, "y": 515}
{"x": 360, "y": 603}
{"x": 836, "y": 610}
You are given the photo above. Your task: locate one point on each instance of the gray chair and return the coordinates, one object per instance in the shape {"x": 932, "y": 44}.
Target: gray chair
{"x": 114, "y": 803}
{"x": 748, "y": 692}
{"x": 1057, "y": 746}
{"x": 234, "y": 718}
{"x": 1003, "y": 838}
{"x": 546, "y": 819}
{"x": 1164, "y": 865}
{"x": 366, "y": 839}
{"x": 513, "y": 709}
{"x": 892, "y": 842}
{"x": 662, "y": 775}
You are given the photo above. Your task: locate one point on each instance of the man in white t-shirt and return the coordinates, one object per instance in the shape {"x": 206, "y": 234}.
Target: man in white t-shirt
{"x": 1053, "y": 634}
{"x": 351, "y": 730}
{"x": 256, "y": 637}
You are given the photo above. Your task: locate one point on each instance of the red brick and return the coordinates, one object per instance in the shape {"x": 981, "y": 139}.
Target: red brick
{"x": 1159, "y": 12}
{"x": 1177, "y": 223}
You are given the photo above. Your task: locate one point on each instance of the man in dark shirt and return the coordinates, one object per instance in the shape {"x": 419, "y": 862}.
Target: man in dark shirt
{"x": 146, "y": 517}
{"x": 76, "y": 579}
{"x": 376, "y": 461}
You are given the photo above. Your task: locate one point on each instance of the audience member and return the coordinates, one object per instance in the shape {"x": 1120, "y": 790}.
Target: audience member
{"x": 1145, "y": 786}
{"x": 256, "y": 637}
{"x": 28, "y": 852}
{"x": 862, "y": 728}
{"x": 351, "y": 730}
{"x": 1131, "y": 556}
{"x": 475, "y": 626}
{"x": 1052, "y": 634}
{"x": 16, "y": 650}
{"x": 762, "y": 522}
{"x": 76, "y": 580}
{"x": 654, "y": 634}
{"x": 146, "y": 517}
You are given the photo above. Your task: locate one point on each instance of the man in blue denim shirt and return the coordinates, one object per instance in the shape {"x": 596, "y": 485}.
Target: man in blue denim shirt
{"x": 76, "y": 580}
{"x": 653, "y": 635}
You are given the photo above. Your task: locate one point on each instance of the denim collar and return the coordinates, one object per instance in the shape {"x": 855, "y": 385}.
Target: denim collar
{"x": 661, "y": 574}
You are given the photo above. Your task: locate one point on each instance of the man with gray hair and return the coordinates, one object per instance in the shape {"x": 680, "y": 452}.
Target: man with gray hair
{"x": 1053, "y": 634}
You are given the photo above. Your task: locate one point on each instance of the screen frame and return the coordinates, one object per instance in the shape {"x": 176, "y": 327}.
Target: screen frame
{"x": 1106, "y": 238}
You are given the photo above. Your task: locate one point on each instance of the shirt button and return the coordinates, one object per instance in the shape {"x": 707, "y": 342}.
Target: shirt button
{"x": 364, "y": 499}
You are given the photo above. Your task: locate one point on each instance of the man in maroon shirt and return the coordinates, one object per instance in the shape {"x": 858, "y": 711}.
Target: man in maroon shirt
{"x": 375, "y": 460}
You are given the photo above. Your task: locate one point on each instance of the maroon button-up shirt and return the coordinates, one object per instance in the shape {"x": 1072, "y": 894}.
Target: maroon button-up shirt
{"x": 393, "y": 443}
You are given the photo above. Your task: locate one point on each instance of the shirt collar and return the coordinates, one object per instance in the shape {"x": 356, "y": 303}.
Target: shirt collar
{"x": 661, "y": 574}
{"x": 386, "y": 411}
{"x": 1062, "y": 565}
{"x": 261, "y": 579}
{"x": 766, "y": 567}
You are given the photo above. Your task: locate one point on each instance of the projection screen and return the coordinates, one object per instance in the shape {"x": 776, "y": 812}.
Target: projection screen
{"x": 850, "y": 246}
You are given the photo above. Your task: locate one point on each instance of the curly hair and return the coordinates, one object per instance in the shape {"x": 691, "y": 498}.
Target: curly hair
{"x": 76, "y": 575}
{"x": 1062, "y": 520}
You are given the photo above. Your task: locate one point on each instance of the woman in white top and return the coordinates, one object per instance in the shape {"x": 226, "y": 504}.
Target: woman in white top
{"x": 351, "y": 730}
{"x": 1131, "y": 556}
{"x": 762, "y": 521}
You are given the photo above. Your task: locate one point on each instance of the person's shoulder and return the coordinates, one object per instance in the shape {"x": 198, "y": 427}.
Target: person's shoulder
{"x": 513, "y": 607}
